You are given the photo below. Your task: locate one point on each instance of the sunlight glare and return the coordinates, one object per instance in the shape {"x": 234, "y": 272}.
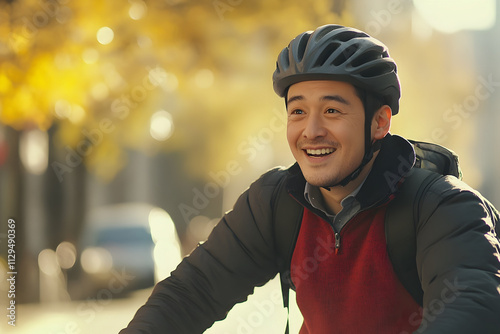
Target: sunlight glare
{"x": 450, "y": 16}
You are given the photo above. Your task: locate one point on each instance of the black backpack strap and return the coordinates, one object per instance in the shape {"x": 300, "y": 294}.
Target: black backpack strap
{"x": 401, "y": 216}
{"x": 287, "y": 217}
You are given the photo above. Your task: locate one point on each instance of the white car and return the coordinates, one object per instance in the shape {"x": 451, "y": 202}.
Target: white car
{"x": 135, "y": 241}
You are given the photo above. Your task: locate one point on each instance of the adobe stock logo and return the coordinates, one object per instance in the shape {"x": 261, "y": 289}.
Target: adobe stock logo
{"x": 437, "y": 306}
{"x": 455, "y": 116}
{"x": 323, "y": 250}
{"x": 382, "y": 18}
{"x": 30, "y": 27}
{"x": 248, "y": 150}
{"x": 222, "y": 6}
{"x": 265, "y": 309}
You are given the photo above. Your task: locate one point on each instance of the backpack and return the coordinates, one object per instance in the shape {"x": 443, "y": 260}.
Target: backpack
{"x": 432, "y": 162}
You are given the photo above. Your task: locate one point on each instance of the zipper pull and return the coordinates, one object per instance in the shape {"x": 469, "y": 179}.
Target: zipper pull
{"x": 337, "y": 243}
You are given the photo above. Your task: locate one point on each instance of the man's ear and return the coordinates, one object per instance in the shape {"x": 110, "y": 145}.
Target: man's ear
{"x": 381, "y": 123}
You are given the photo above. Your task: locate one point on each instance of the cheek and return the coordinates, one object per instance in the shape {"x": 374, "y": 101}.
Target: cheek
{"x": 351, "y": 138}
{"x": 358, "y": 143}
{"x": 291, "y": 135}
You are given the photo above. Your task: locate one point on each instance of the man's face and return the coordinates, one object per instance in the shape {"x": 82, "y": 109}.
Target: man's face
{"x": 325, "y": 129}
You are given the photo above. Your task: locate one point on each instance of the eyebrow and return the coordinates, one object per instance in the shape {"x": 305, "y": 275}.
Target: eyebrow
{"x": 337, "y": 98}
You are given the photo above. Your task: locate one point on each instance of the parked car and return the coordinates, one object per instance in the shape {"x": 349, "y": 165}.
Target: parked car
{"x": 127, "y": 246}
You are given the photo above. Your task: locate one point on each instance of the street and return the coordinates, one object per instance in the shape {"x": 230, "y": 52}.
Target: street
{"x": 261, "y": 314}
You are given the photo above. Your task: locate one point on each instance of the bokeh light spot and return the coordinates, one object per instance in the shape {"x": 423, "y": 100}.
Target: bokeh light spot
{"x": 105, "y": 35}
{"x": 90, "y": 56}
{"x": 137, "y": 10}
{"x": 96, "y": 260}
{"x": 66, "y": 254}
{"x": 161, "y": 126}
{"x": 34, "y": 151}
{"x": 47, "y": 262}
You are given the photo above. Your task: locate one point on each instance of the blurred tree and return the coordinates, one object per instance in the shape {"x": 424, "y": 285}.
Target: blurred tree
{"x": 102, "y": 70}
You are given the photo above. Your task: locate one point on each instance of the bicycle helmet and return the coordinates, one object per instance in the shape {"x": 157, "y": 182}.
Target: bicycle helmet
{"x": 335, "y": 52}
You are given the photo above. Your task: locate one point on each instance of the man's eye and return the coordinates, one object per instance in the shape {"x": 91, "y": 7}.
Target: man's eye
{"x": 332, "y": 111}
{"x": 297, "y": 112}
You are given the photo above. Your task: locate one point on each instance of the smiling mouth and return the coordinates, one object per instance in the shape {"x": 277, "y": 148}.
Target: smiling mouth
{"x": 319, "y": 152}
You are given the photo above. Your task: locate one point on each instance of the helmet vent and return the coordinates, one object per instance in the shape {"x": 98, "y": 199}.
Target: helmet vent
{"x": 366, "y": 57}
{"x": 325, "y": 54}
{"x": 324, "y": 31}
{"x": 301, "y": 49}
{"x": 347, "y": 35}
{"x": 345, "y": 55}
{"x": 379, "y": 69}
{"x": 277, "y": 67}
{"x": 283, "y": 62}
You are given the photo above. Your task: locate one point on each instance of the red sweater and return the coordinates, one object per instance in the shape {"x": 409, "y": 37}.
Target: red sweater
{"x": 352, "y": 289}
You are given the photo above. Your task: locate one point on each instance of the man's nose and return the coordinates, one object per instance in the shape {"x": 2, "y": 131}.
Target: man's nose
{"x": 314, "y": 127}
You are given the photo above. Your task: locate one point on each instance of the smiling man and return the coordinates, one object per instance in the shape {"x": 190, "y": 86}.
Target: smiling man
{"x": 341, "y": 89}
{"x": 326, "y": 135}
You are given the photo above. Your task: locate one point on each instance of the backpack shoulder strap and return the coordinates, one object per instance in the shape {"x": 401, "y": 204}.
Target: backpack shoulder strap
{"x": 287, "y": 218}
{"x": 400, "y": 218}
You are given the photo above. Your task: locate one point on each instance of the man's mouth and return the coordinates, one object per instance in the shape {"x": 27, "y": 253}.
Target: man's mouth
{"x": 321, "y": 152}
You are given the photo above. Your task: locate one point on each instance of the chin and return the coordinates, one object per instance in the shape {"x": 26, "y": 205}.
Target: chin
{"x": 320, "y": 181}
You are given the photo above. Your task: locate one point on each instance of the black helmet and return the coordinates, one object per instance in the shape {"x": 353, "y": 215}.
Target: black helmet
{"x": 335, "y": 52}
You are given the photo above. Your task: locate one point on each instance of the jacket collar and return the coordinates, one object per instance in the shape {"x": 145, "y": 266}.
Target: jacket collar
{"x": 394, "y": 161}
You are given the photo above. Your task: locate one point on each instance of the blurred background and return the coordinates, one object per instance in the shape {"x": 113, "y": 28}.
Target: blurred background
{"x": 127, "y": 128}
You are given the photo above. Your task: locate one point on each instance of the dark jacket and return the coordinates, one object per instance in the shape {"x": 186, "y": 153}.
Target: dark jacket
{"x": 458, "y": 255}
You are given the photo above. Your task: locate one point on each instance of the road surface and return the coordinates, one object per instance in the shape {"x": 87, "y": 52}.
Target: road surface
{"x": 261, "y": 314}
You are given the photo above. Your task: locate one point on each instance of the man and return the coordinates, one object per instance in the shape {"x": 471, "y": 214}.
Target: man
{"x": 341, "y": 90}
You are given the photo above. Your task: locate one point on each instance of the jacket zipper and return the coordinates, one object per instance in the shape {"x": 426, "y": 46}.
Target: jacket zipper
{"x": 337, "y": 242}
{"x": 337, "y": 234}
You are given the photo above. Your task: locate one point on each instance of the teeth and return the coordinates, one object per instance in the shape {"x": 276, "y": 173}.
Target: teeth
{"x": 320, "y": 151}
